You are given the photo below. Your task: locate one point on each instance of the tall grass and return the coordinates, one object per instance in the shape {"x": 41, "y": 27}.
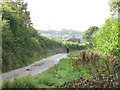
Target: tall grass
{"x": 25, "y": 82}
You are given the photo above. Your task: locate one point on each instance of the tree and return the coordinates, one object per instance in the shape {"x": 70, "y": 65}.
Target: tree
{"x": 114, "y": 7}
{"x": 88, "y": 34}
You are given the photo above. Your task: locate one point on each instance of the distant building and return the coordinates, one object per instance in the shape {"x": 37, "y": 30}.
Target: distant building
{"x": 84, "y": 42}
{"x": 74, "y": 40}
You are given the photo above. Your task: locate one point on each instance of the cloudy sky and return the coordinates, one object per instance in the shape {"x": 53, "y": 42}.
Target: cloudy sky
{"x": 70, "y": 14}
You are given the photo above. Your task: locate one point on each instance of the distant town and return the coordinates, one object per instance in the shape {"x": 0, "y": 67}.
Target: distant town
{"x": 64, "y": 34}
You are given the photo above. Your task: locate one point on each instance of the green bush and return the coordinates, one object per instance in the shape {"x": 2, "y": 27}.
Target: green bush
{"x": 106, "y": 38}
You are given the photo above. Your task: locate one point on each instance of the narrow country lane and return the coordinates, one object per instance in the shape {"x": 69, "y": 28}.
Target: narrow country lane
{"x": 34, "y": 68}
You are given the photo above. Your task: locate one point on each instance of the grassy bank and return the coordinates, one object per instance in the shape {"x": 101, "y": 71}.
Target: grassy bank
{"x": 30, "y": 60}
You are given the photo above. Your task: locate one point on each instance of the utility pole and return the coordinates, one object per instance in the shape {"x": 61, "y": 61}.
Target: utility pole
{"x": 61, "y": 33}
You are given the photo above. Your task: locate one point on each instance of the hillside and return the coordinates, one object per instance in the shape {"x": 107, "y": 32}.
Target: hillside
{"x": 21, "y": 42}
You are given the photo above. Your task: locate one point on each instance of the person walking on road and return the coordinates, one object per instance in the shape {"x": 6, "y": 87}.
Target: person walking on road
{"x": 67, "y": 50}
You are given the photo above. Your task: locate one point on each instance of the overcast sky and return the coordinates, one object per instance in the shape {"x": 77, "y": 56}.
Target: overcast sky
{"x": 70, "y": 14}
